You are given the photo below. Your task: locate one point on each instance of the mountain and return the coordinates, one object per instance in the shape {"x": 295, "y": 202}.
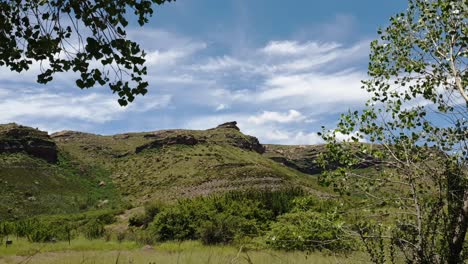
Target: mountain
{"x": 73, "y": 171}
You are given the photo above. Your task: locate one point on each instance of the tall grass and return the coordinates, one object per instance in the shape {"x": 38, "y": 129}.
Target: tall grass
{"x": 98, "y": 251}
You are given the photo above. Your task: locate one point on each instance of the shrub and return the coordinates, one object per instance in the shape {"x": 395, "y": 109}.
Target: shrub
{"x": 312, "y": 203}
{"x": 220, "y": 219}
{"x": 106, "y": 218}
{"x": 151, "y": 210}
{"x": 174, "y": 223}
{"x": 93, "y": 229}
{"x": 309, "y": 231}
{"x": 219, "y": 230}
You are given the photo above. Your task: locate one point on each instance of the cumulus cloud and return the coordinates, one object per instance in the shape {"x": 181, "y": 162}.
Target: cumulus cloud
{"x": 165, "y": 58}
{"x": 268, "y": 116}
{"x": 221, "y": 107}
{"x": 315, "y": 87}
{"x": 87, "y": 107}
{"x": 279, "y": 91}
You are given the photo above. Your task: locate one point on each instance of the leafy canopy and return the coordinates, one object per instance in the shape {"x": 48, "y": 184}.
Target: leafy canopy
{"x": 84, "y": 36}
{"x": 417, "y": 125}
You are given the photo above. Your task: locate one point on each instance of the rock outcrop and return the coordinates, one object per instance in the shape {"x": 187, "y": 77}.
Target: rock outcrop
{"x": 224, "y": 134}
{"x": 15, "y": 138}
{"x": 176, "y": 139}
{"x": 231, "y": 125}
{"x": 245, "y": 142}
{"x": 235, "y": 138}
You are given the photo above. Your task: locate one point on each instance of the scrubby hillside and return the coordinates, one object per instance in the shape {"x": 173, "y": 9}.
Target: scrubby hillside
{"x": 73, "y": 171}
{"x": 36, "y": 179}
{"x": 172, "y": 164}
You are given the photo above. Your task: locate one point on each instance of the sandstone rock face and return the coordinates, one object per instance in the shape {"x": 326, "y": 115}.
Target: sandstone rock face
{"x": 15, "y": 138}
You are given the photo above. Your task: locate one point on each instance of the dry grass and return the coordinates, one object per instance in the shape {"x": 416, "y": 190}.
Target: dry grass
{"x": 187, "y": 252}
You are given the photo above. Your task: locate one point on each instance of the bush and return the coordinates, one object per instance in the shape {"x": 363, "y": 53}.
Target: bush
{"x": 225, "y": 228}
{"x": 219, "y": 230}
{"x": 213, "y": 220}
{"x": 312, "y": 203}
{"x": 218, "y": 219}
{"x": 309, "y": 231}
{"x": 93, "y": 229}
{"x": 106, "y": 218}
{"x": 174, "y": 223}
{"x": 151, "y": 210}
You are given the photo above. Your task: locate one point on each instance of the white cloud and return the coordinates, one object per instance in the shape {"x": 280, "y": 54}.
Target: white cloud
{"x": 221, "y": 63}
{"x": 221, "y": 107}
{"x": 302, "y": 138}
{"x": 89, "y": 107}
{"x": 267, "y": 116}
{"x": 172, "y": 56}
{"x": 300, "y": 83}
{"x": 312, "y": 88}
{"x": 289, "y": 48}
{"x": 348, "y": 137}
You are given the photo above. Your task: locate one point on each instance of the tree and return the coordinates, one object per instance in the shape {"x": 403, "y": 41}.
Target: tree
{"x": 84, "y": 36}
{"x": 416, "y": 126}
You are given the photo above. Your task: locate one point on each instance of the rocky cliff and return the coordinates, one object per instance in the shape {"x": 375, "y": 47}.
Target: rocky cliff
{"x": 16, "y": 138}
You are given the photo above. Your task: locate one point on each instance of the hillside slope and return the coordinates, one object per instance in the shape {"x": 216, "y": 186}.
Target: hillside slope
{"x": 35, "y": 178}
{"x": 303, "y": 157}
{"x": 172, "y": 164}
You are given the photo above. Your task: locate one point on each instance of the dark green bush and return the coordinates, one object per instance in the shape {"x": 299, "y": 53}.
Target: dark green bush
{"x": 216, "y": 219}
{"x": 219, "y": 230}
{"x": 106, "y": 218}
{"x": 41, "y": 233}
{"x": 93, "y": 229}
{"x": 175, "y": 223}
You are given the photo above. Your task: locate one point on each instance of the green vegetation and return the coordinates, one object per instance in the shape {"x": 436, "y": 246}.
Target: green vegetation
{"x": 216, "y": 187}
{"x": 100, "y": 251}
{"x": 100, "y": 26}
{"x": 150, "y": 166}
{"x": 416, "y": 114}
{"x": 286, "y": 220}
{"x": 219, "y": 194}
{"x": 32, "y": 186}
{"x": 58, "y": 227}
{"x": 221, "y": 219}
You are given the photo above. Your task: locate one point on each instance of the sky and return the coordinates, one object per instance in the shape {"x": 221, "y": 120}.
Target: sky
{"x": 281, "y": 69}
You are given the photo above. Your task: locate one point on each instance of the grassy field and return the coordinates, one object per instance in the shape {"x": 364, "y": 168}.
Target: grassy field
{"x": 99, "y": 251}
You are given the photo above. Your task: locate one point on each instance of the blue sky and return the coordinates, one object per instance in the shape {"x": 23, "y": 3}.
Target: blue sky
{"x": 281, "y": 69}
